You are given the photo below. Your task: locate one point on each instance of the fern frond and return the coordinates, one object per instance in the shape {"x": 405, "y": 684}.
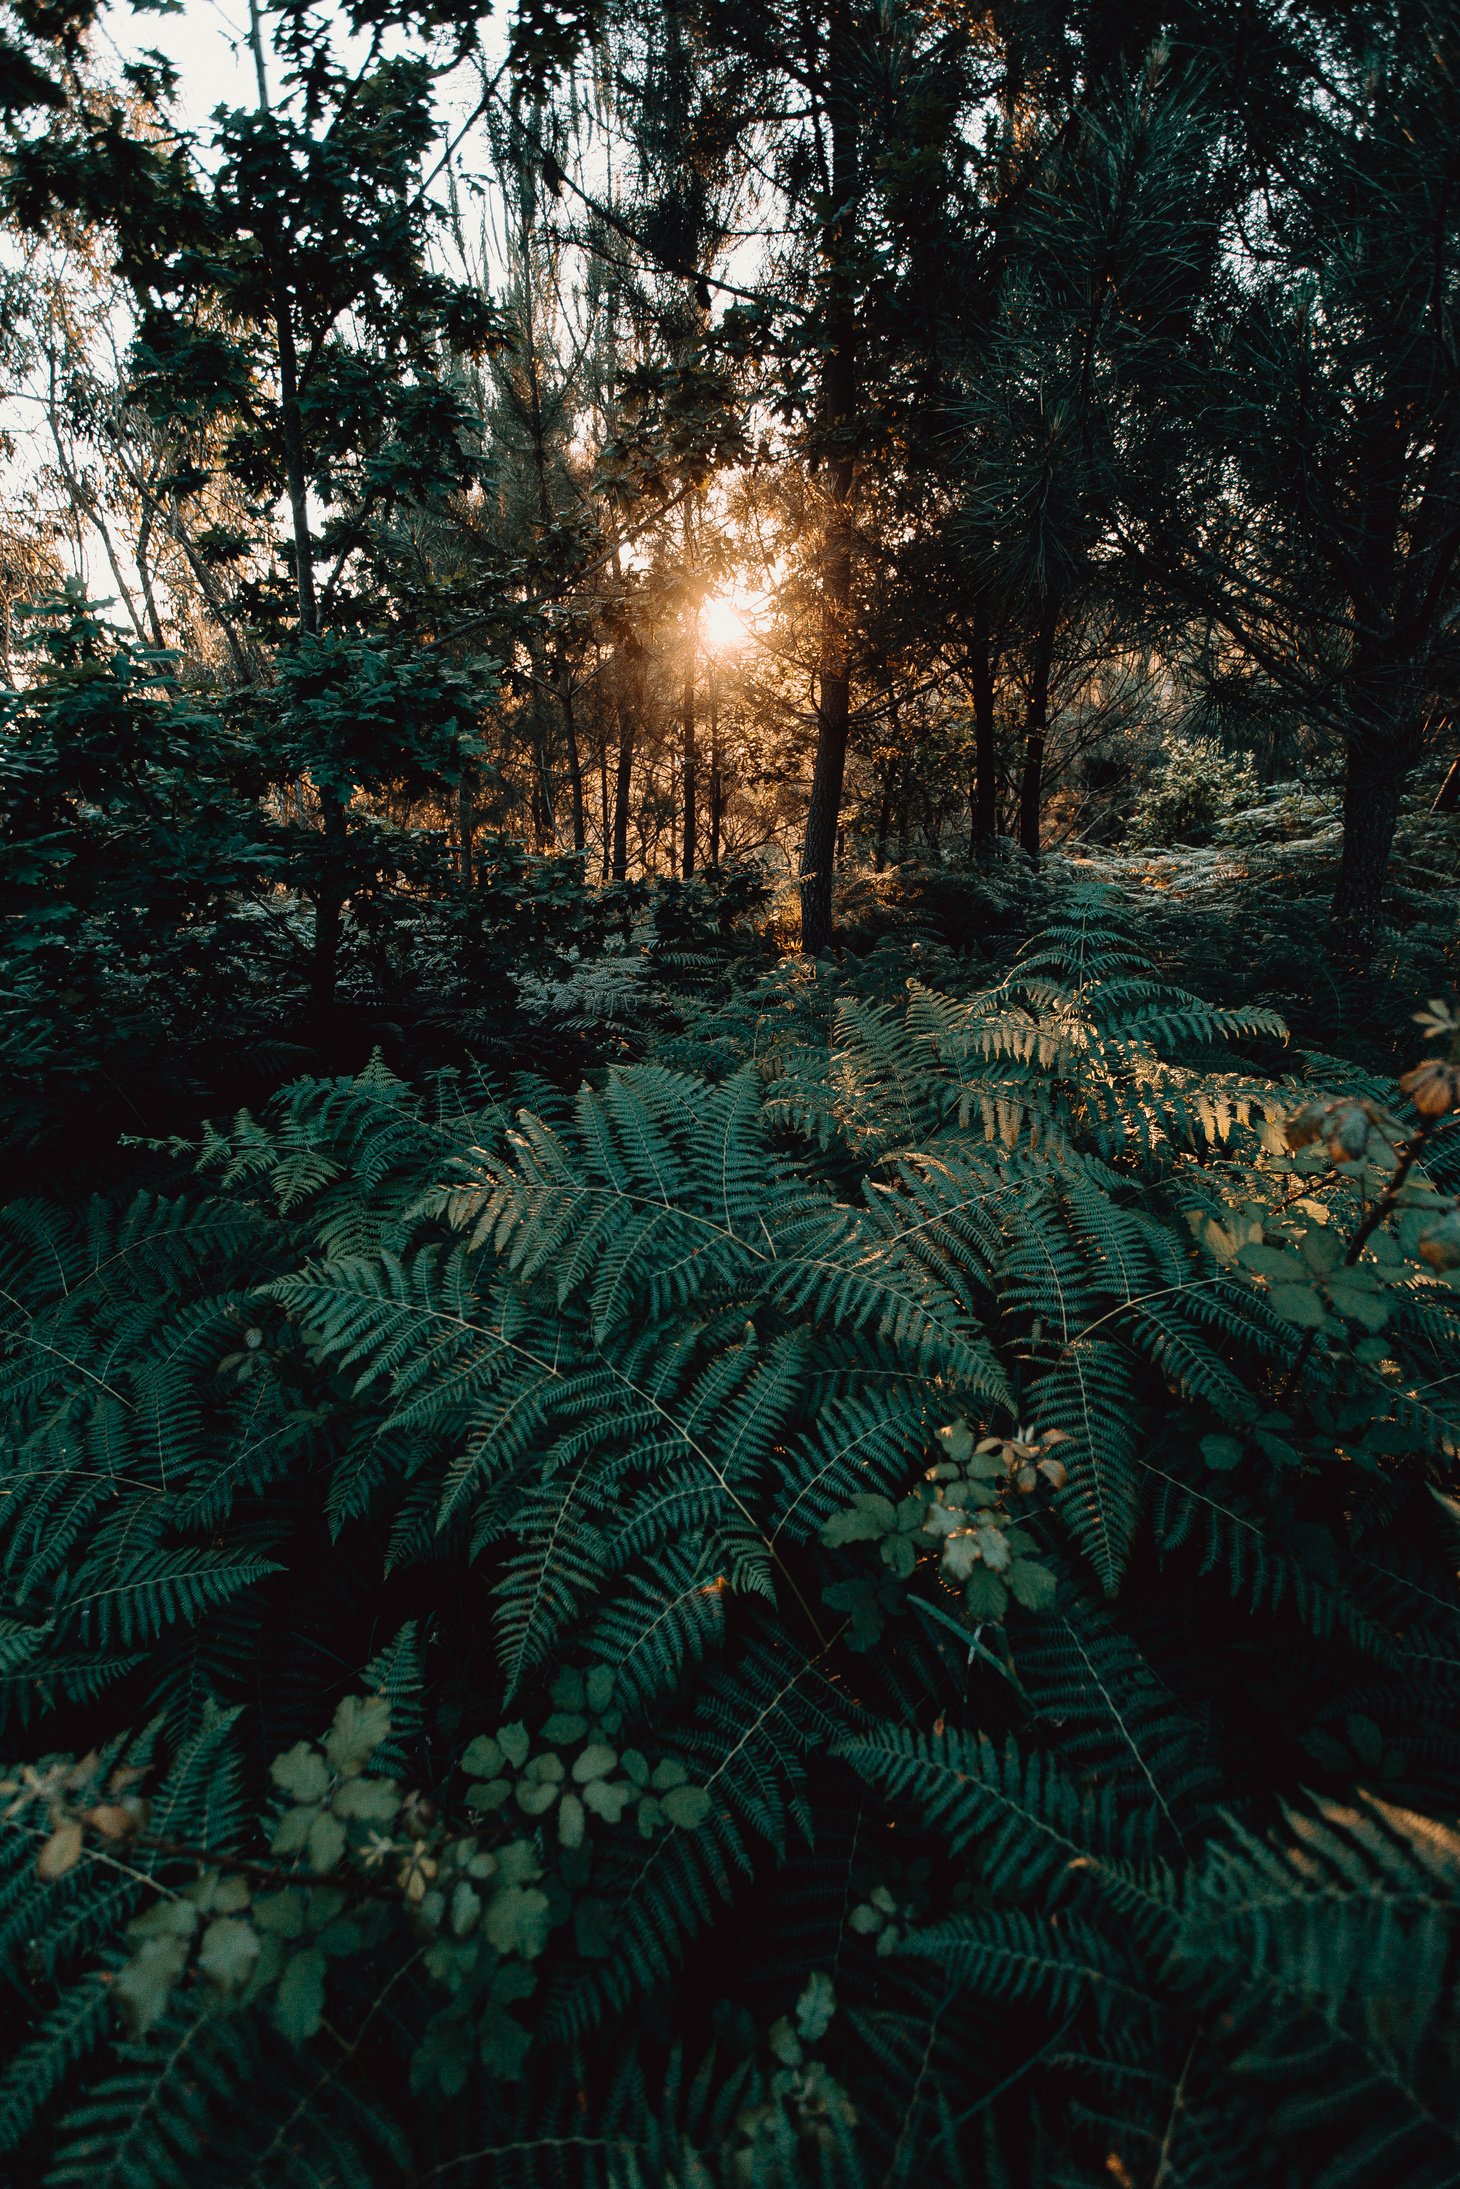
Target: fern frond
{"x": 74, "y": 2028}
{"x": 1090, "y": 1394}
{"x": 1060, "y": 1961}
{"x": 1033, "y": 1828}
{"x": 1118, "y": 1724}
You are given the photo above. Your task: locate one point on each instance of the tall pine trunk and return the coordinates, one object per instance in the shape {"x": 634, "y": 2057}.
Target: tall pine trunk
{"x": 539, "y": 715}
{"x": 1384, "y": 708}
{"x": 573, "y": 755}
{"x": 329, "y": 910}
{"x": 717, "y": 794}
{"x": 884, "y": 818}
{"x": 1031, "y": 789}
{"x": 466, "y": 825}
{"x": 838, "y": 408}
{"x": 625, "y": 696}
{"x": 605, "y": 864}
{"x": 332, "y": 886}
{"x": 333, "y": 881}
{"x": 690, "y": 764}
{"x": 1373, "y": 780}
{"x": 981, "y": 678}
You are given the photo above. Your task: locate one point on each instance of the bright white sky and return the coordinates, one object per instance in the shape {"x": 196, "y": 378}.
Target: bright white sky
{"x": 206, "y": 41}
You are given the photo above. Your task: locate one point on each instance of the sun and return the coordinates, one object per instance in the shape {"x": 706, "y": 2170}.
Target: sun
{"x": 722, "y": 627}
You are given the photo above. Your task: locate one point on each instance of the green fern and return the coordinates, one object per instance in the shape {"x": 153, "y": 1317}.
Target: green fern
{"x": 473, "y": 1403}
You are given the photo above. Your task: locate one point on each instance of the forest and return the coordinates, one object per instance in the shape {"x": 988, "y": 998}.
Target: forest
{"x": 729, "y": 1072}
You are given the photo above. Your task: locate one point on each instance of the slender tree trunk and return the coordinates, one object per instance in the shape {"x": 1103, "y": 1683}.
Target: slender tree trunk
{"x": 689, "y": 760}
{"x": 329, "y": 911}
{"x": 884, "y": 818}
{"x": 833, "y": 712}
{"x": 561, "y": 682}
{"x": 544, "y": 813}
{"x": 574, "y": 757}
{"x": 716, "y": 791}
{"x": 903, "y": 822}
{"x": 623, "y": 776}
{"x": 333, "y": 885}
{"x": 838, "y": 408}
{"x": 981, "y": 678}
{"x": 83, "y": 503}
{"x": 329, "y": 902}
{"x": 293, "y": 439}
{"x": 291, "y": 435}
{"x": 144, "y": 574}
{"x": 605, "y": 864}
{"x": 466, "y": 824}
{"x": 207, "y": 586}
{"x": 1031, "y": 789}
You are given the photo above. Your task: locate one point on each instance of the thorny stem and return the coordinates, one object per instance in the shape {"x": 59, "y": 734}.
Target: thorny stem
{"x": 1383, "y": 1208}
{"x": 267, "y": 1873}
{"x": 1379, "y": 1214}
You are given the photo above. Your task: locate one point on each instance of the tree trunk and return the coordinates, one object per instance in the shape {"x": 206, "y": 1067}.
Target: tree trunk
{"x": 329, "y": 905}
{"x": 981, "y": 678}
{"x": 466, "y": 824}
{"x": 1031, "y": 789}
{"x": 544, "y": 813}
{"x": 716, "y": 788}
{"x": 329, "y": 909}
{"x": 623, "y": 777}
{"x": 604, "y": 809}
{"x": 291, "y": 433}
{"x": 144, "y": 574}
{"x": 838, "y": 406}
{"x": 902, "y": 821}
{"x": 574, "y": 757}
{"x": 1373, "y": 780}
{"x": 207, "y": 586}
{"x": 690, "y": 761}
{"x": 1384, "y": 705}
{"x": 884, "y": 818}
{"x": 818, "y": 851}
{"x": 329, "y": 901}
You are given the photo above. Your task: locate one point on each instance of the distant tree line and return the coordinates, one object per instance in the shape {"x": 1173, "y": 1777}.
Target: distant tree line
{"x": 1027, "y": 378}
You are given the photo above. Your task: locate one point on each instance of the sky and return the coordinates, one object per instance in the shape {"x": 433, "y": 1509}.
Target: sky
{"x": 207, "y": 42}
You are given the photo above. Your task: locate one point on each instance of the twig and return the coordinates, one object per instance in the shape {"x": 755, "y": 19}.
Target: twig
{"x": 1381, "y": 1211}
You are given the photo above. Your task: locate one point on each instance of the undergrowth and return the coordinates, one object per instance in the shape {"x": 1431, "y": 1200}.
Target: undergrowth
{"x": 868, "y": 1594}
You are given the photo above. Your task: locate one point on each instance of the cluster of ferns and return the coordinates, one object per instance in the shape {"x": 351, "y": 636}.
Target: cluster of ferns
{"x": 883, "y": 1614}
